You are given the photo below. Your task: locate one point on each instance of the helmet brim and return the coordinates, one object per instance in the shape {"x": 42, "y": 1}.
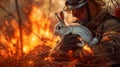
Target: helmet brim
{"x": 69, "y": 7}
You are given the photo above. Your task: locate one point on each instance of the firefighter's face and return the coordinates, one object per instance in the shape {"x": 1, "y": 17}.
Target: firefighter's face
{"x": 76, "y": 13}
{"x": 80, "y": 13}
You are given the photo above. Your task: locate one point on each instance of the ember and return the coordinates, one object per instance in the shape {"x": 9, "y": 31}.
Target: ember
{"x": 49, "y": 58}
{"x": 88, "y": 49}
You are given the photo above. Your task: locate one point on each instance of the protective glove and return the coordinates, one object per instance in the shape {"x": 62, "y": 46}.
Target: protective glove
{"x": 69, "y": 42}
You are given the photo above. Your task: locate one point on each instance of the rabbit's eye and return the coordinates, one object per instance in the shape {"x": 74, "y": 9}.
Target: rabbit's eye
{"x": 59, "y": 27}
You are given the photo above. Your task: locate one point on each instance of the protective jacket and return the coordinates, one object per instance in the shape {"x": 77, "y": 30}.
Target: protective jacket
{"x": 107, "y": 29}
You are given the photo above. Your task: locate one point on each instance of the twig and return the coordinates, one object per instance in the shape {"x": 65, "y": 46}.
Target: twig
{"x": 8, "y": 12}
{"x": 20, "y": 26}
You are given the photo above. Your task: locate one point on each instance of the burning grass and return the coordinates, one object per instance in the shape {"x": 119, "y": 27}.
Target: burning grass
{"x": 37, "y": 37}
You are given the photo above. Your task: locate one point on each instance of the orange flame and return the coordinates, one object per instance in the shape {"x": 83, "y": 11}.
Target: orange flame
{"x": 41, "y": 33}
{"x": 87, "y": 50}
{"x": 41, "y": 27}
{"x": 49, "y": 58}
{"x": 70, "y": 54}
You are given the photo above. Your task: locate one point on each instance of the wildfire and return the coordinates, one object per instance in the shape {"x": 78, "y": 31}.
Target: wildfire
{"x": 41, "y": 34}
{"x": 41, "y": 28}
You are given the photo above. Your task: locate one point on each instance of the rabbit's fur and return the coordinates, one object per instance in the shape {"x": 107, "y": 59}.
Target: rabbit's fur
{"x": 62, "y": 29}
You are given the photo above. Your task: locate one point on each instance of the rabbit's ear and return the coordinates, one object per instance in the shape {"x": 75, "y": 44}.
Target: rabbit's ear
{"x": 62, "y": 17}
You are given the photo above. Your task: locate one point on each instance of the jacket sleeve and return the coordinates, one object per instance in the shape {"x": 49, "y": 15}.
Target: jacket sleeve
{"x": 111, "y": 31}
{"x": 110, "y": 39}
{"x": 112, "y": 25}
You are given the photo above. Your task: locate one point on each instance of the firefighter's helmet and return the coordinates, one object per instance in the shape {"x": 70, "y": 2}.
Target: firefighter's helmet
{"x": 73, "y": 4}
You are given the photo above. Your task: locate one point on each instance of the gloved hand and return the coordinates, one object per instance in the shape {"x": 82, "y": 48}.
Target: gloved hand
{"x": 69, "y": 42}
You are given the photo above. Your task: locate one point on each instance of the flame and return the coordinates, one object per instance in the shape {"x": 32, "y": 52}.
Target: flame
{"x": 49, "y": 58}
{"x": 41, "y": 33}
{"x": 41, "y": 27}
{"x": 30, "y": 62}
{"x": 70, "y": 54}
{"x": 9, "y": 42}
{"x": 87, "y": 50}
{"x": 72, "y": 63}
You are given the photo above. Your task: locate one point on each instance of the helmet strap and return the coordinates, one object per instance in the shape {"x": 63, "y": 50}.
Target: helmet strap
{"x": 88, "y": 18}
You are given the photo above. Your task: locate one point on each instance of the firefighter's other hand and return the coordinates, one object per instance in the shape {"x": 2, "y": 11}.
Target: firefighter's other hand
{"x": 69, "y": 42}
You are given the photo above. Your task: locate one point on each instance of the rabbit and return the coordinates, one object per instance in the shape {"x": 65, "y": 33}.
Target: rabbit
{"x": 74, "y": 28}
{"x": 62, "y": 28}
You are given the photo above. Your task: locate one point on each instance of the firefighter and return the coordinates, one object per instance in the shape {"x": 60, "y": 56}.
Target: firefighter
{"x": 103, "y": 26}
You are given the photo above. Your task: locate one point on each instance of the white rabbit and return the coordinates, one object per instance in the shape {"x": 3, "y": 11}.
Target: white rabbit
{"x": 62, "y": 29}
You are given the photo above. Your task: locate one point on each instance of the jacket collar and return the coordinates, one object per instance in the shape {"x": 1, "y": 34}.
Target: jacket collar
{"x": 97, "y": 19}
